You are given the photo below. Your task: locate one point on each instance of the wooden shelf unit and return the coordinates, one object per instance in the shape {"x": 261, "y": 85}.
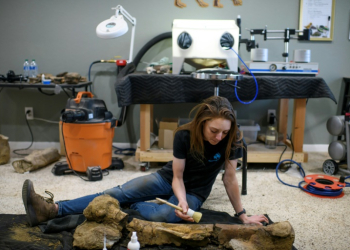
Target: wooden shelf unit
{"x": 257, "y": 153}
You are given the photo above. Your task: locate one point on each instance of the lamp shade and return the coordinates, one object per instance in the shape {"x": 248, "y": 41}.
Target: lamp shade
{"x": 111, "y": 28}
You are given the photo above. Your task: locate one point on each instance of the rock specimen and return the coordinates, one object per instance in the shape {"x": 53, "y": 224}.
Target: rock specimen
{"x": 4, "y": 149}
{"x": 105, "y": 209}
{"x": 275, "y": 236}
{"x": 159, "y": 233}
{"x": 103, "y": 219}
{"x": 72, "y": 78}
{"x": 37, "y": 159}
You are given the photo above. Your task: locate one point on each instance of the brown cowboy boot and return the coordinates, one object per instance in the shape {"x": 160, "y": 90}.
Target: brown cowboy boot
{"x": 38, "y": 208}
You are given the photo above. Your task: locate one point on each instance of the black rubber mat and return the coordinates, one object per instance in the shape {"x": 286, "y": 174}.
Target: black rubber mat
{"x": 58, "y": 233}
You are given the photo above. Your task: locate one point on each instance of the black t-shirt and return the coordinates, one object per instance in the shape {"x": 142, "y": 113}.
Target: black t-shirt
{"x": 198, "y": 176}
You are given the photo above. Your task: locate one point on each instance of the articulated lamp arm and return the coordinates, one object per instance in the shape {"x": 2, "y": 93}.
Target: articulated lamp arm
{"x": 120, "y": 10}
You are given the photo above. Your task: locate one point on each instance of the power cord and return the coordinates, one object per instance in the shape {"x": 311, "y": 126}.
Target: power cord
{"x": 309, "y": 188}
{"x": 70, "y": 164}
{"x": 66, "y": 93}
{"x": 105, "y": 172}
{"x": 285, "y": 148}
{"x": 40, "y": 119}
{"x": 124, "y": 151}
{"x": 291, "y": 143}
{"x": 31, "y": 134}
{"x": 49, "y": 94}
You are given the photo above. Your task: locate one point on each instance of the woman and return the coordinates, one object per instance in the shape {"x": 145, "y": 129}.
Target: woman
{"x": 201, "y": 147}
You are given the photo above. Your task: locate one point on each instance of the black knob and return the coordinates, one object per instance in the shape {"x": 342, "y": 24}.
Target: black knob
{"x": 227, "y": 41}
{"x": 184, "y": 40}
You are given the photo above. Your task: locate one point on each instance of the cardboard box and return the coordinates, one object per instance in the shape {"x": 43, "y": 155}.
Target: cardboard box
{"x": 167, "y": 128}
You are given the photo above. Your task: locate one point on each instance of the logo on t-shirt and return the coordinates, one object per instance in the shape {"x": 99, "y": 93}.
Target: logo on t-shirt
{"x": 216, "y": 157}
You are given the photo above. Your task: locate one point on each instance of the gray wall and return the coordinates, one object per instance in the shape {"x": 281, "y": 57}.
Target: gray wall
{"x": 60, "y": 35}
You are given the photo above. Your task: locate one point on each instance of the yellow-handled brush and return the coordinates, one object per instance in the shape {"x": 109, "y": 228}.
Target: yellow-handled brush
{"x": 195, "y": 215}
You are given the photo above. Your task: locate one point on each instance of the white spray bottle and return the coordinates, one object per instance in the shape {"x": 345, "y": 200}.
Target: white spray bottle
{"x": 104, "y": 242}
{"x": 133, "y": 243}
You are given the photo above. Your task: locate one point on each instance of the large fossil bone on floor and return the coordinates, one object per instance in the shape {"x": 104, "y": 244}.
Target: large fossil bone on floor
{"x": 275, "y": 236}
{"x": 105, "y": 219}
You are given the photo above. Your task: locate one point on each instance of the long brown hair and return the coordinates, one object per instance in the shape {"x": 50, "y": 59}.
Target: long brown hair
{"x": 212, "y": 108}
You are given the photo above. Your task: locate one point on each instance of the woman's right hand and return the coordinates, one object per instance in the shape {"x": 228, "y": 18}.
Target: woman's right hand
{"x": 179, "y": 188}
{"x": 183, "y": 215}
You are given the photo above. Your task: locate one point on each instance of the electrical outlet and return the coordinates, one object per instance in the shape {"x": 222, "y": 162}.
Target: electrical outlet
{"x": 29, "y": 113}
{"x": 269, "y": 111}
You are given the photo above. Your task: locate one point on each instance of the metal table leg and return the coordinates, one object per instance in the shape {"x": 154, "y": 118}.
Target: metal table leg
{"x": 244, "y": 168}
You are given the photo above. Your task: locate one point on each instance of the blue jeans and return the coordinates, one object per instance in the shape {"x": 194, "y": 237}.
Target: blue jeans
{"x": 136, "y": 192}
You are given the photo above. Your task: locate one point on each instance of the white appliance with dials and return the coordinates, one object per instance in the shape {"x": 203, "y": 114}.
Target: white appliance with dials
{"x": 200, "y": 40}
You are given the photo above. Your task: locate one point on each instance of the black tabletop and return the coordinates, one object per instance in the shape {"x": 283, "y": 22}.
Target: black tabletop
{"x": 140, "y": 88}
{"x": 23, "y": 85}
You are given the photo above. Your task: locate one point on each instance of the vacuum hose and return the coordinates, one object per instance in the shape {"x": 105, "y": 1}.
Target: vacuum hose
{"x": 148, "y": 45}
{"x": 131, "y": 67}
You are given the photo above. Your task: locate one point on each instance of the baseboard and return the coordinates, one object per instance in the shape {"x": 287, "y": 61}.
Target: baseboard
{"x": 36, "y": 145}
{"x": 315, "y": 147}
{"x": 42, "y": 145}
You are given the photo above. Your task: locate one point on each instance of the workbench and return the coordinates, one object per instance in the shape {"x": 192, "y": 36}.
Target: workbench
{"x": 40, "y": 86}
{"x": 146, "y": 90}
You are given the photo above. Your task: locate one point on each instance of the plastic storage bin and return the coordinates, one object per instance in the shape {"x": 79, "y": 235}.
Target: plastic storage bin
{"x": 250, "y": 129}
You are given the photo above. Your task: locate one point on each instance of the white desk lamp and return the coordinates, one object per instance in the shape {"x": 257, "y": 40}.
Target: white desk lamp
{"x": 116, "y": 26}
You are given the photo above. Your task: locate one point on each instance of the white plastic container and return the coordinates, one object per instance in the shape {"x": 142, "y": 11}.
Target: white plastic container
{"x": 45, "y": 81}
{"x": 302, "y": 55}
{"x": 133, "y": 243}
{"x": 250, "y": 129}
{"x": 26, "y": 69}
{"x": 259, "y": 55}
{"x": 33, "y": 69}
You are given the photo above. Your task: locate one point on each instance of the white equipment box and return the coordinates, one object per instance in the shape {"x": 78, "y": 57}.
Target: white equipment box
{"x": 205, "y": 38}
{"x": 282, "y": 68}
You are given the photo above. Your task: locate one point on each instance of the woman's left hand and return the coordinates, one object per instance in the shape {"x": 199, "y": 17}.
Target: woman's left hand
{"x": 254, "y": 219}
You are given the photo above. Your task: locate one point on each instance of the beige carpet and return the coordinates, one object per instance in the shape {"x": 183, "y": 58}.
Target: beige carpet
{"x": 318, "y": 223}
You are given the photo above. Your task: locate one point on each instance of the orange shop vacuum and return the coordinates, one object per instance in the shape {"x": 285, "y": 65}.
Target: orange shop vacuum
{"x": 87, "y": 132}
